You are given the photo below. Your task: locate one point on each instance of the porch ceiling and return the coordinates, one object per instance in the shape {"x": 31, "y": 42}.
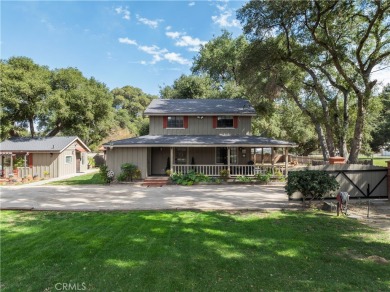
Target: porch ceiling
{"x": 199, "y": 141}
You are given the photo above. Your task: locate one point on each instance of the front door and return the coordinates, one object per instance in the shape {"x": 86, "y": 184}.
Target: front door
{"x": 78, "y": 159}
{"x": 160, "y": 160}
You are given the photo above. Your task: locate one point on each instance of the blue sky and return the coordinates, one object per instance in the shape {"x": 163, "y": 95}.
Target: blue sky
{"x": 146, "y": 44}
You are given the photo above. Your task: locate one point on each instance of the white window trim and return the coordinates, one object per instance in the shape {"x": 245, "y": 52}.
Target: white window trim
{"x": 71, "y": 156}
{"x": 175, "y": 128}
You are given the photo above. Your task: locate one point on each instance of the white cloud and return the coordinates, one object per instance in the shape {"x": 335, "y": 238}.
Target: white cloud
{"x": 173, "y": 34}
{"x": 221, "y": 7}
{"x": 149, "y": 22}
{"x": 225, "y": 19}
{"x": 176, "y": 58}
{"x": 157, "y": 53}
{"x": 127, "y": 41}
{"x": 168, "y": 27}
{"x": 191, "y": 4}
{"x": 124, "y": 11}
{"x": 183, "y": 40}
{"x": 188, "y": 41}
{"x": 48, "y": 24}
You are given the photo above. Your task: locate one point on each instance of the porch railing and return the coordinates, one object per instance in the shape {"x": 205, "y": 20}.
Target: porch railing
{"x": 235, "y": 170}
{"x": 25, "y": 171}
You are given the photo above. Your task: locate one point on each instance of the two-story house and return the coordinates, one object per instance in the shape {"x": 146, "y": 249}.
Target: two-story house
{"x": 205, "y": 135}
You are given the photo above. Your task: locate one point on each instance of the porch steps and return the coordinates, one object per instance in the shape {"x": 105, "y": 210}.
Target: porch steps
{"x": 155, "y": 181}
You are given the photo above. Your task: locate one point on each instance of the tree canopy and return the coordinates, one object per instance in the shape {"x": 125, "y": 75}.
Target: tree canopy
{"x": 37, "y": 101}
{"x": 337, "y": 45}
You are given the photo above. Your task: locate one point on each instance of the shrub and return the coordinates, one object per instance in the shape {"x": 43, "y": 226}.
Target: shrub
{"x": 106, "y": 174}
{"x": 188, "y": 179}
{"x": 121, "y": 177}
{"x": 91, "y": 162}
{"x": 263, "y": 177}
{"x": 243, "y": 178}
{"x": 311, "y": 183}
{"x": 224, "y": 174}
{"x": 130, "y": 172}
{"x": 279, "y": 175}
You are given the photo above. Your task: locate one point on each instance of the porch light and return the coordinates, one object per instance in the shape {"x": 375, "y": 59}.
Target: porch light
{"x": 200, "y": 117}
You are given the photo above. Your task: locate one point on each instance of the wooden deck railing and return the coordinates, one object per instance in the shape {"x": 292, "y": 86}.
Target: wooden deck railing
{"x": 235, "y": 170}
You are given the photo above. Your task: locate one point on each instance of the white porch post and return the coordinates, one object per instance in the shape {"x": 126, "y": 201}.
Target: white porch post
{"x": 12, "y": 163}
{"x": 286, "y": 160}
{"x": 171, "y": 159}
{"x": 262, "y": 155}
{"x": 188, "y": 162}
{"x": 228, "y": 159}
{"x": 273, "y": 160}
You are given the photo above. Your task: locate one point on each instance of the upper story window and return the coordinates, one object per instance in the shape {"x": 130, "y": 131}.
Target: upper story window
{"x": 175, "y": 122}
{"x": 225, "y": 122}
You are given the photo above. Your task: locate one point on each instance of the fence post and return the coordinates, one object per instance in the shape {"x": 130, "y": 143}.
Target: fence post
{"x": 388, "y": 179}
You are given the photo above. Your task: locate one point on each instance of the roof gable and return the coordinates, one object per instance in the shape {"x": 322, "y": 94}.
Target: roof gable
{"x": 44, "y": 144}
{"x": 200, "y": 107}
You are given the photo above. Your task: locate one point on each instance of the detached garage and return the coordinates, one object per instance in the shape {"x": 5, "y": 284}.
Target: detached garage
{"x": 47, "y": 157}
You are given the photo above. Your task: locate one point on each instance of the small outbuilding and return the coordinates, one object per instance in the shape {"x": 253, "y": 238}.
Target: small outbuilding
{"x": 46, "y": 157}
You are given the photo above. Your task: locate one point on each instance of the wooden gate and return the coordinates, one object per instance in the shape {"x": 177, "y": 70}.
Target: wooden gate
{"x": 360, "y": 181}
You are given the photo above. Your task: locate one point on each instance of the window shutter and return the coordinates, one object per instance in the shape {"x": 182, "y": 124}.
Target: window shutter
{"x": 235, "y": 122}
{"x": 165, "y": 122}
{"x": 214, "y": 122}
{"x": 185, "y": 122}
{"x": 30, "y": 160}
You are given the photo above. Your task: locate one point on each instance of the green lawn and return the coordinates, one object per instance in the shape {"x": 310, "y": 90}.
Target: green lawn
{"x": 381, "y": 161}
{"x": 182, "y": 251}
{"x": 86, "y": 179}
{"x": 377, "y": 161}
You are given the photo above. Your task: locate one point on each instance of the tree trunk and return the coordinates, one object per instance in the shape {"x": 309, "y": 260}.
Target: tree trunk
{"x": 322, "y": 140}
{"x": 344, "y": 130}
{"x": 320, "y": 132}
{"x": 31, "y": 123}
{"x": 54, "y": 132}
{"x": 356, "y": 144}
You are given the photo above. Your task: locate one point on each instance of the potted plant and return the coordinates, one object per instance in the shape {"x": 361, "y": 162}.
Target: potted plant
{"x": 46, "y": 174}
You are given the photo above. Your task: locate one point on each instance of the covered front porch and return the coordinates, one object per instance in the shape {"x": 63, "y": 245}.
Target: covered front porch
{"x": 210, "y": 161}
{"x": 158, "y": 155}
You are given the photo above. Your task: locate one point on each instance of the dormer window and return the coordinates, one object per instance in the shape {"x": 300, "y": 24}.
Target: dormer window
{"x": 175, "y": 122}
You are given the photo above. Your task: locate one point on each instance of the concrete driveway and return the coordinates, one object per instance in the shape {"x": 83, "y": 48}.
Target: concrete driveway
{"x": 136, "y": 197}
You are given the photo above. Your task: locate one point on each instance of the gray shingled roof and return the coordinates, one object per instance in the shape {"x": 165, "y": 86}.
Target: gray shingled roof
{"x": 45, "y": 144}
{"x": 200, "y": 107}
{"x": 203, "y": 140}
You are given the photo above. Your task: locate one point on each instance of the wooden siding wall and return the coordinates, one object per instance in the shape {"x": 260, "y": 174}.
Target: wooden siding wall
{"x": 63, "y": 167}
{"x": 202, "y": 155}
{"x": 117, "y": 156}
{"x": 200, "y": 127}
{"x": 45, "y": 162}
